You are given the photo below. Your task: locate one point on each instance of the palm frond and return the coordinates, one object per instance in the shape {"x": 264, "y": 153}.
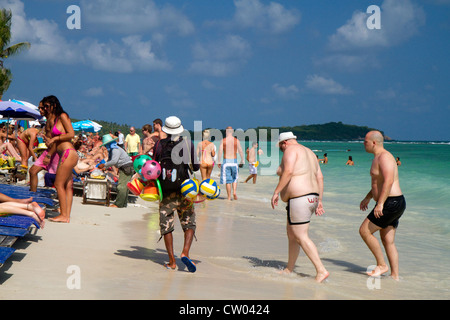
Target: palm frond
{"x": 14, "y": 49}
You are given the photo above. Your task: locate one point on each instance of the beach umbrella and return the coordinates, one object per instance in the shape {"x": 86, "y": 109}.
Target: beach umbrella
{"x": 87, "y": 126}
{"x": 30, "y": 105}
{"x": 10, "y": 109}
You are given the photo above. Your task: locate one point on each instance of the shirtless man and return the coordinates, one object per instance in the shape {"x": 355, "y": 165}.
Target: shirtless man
{"x": 390, "y": 206}
{"x": 147, "y": 142}
{"x": 251, "y": 158}
{"x": 301, "y": 186}
{"x": 229, "y": 147}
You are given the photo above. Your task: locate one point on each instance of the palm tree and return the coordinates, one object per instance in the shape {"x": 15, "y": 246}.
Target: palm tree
{"x": 6, "y": 50}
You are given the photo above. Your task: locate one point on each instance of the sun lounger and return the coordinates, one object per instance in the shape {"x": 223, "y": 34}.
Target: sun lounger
{"x": 18, "y": 221}
{"x": 5, "y": 253}
{"x": 13, "y": 232}
{"x": 41, "y": 196}
{"x": 13, "y": 227}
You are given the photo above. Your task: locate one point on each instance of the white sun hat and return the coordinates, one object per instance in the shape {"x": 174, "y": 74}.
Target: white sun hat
{"x": 286, "y": 136}
{"x": 172, "y": 125}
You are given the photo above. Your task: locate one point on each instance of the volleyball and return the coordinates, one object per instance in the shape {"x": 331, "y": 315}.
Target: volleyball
{"x": 209, "y": 188}
{"x": 151, "y": 170}
{"x": 189, "y": 189}
{"x": 216, "y": 194}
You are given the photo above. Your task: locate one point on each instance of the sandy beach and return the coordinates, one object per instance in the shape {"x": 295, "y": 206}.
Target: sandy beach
{"x": 110, "y": 253}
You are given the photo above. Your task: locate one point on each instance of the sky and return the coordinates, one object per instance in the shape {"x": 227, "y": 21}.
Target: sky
{"x": 241, "y": 63}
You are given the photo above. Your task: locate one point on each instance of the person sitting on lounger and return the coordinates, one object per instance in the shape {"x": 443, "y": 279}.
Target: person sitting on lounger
{"x": 24, "y": 207}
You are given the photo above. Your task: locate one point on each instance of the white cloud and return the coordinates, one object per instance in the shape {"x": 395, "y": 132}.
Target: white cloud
{"x": 209, "y": 85}
{"x": 285, "y": 92}
{"x": 325, "y": 85}
{"x": 387, "y": 94}
{"x": 400, "y": 20}
{"x": 221, "y": 57}
{"x": 133, "y": 16}
{"x": 354, "y": 47}
{"x": 48, "y": 44}
{"x": 132, "y": 54}
{"x": 94, "y": 92}
{"x": 273, "y": 17}
{"x": 348, "y": 62}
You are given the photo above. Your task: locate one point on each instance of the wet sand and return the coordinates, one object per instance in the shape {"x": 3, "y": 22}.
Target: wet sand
{"x": 110, "y": 253}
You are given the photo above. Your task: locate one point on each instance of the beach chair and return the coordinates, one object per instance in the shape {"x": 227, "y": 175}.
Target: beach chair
{"x": 18, "y": 221}
{"x": 5, "y": 253}
{"x": 13, "y": 227}
{"x": 41, "y": 196}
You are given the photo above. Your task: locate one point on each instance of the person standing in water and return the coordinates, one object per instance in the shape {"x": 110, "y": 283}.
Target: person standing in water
{"x": 390, "y": 205}
{"x": 301, "y": 186}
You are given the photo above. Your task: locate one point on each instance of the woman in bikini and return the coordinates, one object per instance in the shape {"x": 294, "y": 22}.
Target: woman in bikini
{"x": 60, "y": 127}
{"x": 26, "y": 142}
{"x": 205, "y": 153}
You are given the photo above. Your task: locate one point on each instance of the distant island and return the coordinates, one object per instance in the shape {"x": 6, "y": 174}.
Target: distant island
{"x": 332, "y": 131}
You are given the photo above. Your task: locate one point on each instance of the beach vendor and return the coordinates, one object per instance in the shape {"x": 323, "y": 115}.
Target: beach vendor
{"x": 119, "y": 158}
{"x": 172, "y": 176}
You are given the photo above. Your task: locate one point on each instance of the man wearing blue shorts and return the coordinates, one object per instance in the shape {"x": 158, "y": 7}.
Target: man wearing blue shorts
{"x": 229, "y": 148}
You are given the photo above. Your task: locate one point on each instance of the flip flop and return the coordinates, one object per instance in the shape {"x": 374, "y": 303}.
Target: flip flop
{"x": 168, "y": 267}
{"x": 189, "y": 264}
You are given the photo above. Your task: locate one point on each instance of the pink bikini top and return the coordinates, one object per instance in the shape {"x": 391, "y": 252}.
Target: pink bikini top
{"x": 55, "y": 131}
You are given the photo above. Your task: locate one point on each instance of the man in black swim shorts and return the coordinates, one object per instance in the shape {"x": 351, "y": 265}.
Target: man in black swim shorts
{"x": 389, "y": 207}
{"x": 392, "y": 211}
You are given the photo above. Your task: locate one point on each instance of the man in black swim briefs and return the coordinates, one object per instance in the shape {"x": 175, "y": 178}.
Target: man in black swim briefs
{"x": 390, "y": 205}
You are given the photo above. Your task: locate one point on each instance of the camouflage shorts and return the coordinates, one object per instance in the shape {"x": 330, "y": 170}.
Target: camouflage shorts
{"x": 184, "y": 208}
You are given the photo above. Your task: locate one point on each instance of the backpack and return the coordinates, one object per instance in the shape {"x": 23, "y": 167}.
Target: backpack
{"x": 172, "y": 175}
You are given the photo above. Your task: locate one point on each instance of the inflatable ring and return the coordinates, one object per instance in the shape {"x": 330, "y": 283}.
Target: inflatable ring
{"x": 149, "y": 197}
{"x": 199, "y": 199}
{"x": 158, "y": 185}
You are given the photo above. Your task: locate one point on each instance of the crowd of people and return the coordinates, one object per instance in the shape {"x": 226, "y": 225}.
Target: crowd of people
{"x": 300, "y": 178}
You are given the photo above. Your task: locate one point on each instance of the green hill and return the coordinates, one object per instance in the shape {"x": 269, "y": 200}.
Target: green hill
{"x": 332, "y": 131}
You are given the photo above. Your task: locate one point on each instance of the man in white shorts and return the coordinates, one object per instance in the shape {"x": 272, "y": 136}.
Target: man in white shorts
{"x": 251, "y": 158}
{"x": 229, "y": 148}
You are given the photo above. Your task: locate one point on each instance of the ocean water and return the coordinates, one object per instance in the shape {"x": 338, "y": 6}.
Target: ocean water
{"x": 423, "y": 235}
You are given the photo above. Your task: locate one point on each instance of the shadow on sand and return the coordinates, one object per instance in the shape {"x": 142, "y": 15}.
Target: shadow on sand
{"x": 157, "y": 256}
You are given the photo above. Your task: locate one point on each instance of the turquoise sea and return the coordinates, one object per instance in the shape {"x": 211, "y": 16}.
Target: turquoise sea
{"x": 424, "y": 231}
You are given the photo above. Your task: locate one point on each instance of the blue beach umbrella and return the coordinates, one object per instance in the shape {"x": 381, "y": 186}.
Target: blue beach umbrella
{"x": 87, "y": 126}
{"x": 14, "y": 110}
{"x": 25, "y": 103}
{"x": 10, "y": 109}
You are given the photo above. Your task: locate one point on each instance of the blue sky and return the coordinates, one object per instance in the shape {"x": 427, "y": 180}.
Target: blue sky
{"x": 243, "y": 63}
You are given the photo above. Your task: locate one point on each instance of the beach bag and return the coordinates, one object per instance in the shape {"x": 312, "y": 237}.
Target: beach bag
{"x": 172, "y": 175}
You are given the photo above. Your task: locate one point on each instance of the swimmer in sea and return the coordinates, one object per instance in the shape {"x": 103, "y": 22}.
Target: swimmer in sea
{"x": 301, "y": 186}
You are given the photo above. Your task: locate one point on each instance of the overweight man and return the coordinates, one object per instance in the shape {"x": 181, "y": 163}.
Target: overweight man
{"x": 301, "y": 186}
